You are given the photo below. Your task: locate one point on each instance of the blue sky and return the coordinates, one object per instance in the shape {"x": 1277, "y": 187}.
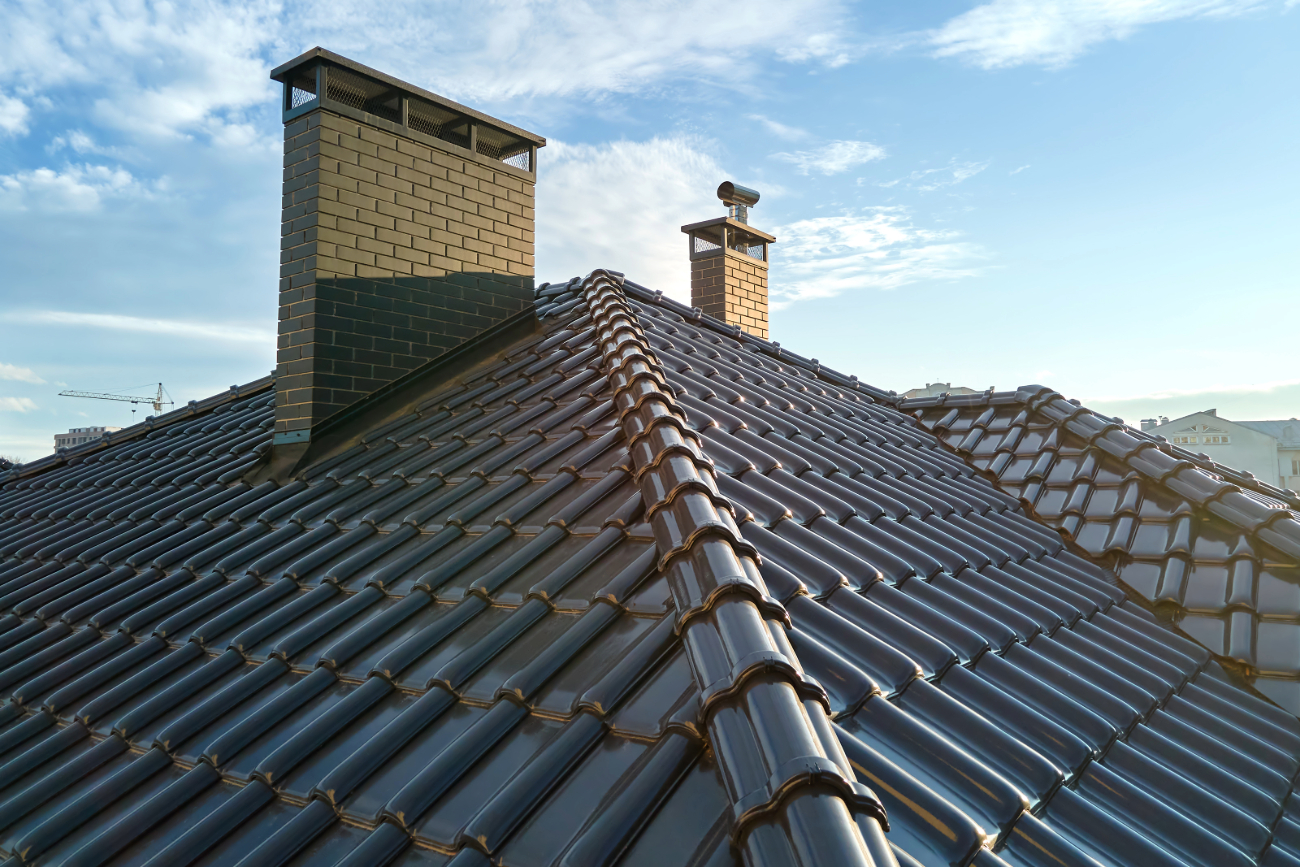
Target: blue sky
{"x": 1098, "y": 195}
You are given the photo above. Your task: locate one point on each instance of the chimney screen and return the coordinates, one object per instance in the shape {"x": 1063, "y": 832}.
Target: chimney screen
{"x": 436, "y": 121}
{"x": 510, "y": 149}
{"x": 302, "y": 88}
{"x": 364, "y": 94}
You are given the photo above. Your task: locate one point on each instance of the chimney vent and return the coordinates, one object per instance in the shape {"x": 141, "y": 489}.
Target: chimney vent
{"x": 738, "y": 200}
{"x": 729, "y": 263}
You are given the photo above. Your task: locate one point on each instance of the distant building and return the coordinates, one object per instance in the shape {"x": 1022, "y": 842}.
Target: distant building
{"x": 78, "y": 435}
{"x": 1268, "y": 449}
{"x": 934, "y": 389}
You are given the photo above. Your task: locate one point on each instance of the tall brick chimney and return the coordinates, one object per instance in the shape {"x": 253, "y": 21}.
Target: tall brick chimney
{"x": 407, "y": 229}
{"x": 729, "y": 263}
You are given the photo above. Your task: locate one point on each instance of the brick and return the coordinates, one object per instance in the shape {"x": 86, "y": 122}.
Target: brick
{"x": 391, "y": 236}
{"x": 397, "y": 212}
{"x": 374, "y": 219}
{"x": 409, "y": 255}
{"x": 356, "y": 228}
{"x": 370, "y": 135}
{"x": 358, "y": 173}
{"x": 395, "y": 157}
{"x": 468, "y": 256}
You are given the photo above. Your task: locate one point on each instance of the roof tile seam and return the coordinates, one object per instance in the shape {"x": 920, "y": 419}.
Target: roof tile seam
{"x": 695, "y": 539}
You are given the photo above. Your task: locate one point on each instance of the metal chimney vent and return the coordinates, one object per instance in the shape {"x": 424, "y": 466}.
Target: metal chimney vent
{"x": 738, "y": 200}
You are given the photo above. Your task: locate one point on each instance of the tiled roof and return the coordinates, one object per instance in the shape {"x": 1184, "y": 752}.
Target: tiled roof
{"x": 1215, "y": 551}
{"x": 635, "y": 589}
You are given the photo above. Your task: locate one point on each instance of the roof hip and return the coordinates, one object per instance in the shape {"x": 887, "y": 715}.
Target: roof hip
{"x": 766, "y": 720}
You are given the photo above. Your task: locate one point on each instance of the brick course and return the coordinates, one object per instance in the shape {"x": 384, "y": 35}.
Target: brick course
{"x": 732, "y": 287}
{"x": 392, "y": 252}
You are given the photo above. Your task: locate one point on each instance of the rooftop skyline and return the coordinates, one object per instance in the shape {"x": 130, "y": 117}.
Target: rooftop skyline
{"x": 1094, "y": 196}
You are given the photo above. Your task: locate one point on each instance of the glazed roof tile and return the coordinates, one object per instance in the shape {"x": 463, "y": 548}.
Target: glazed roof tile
{"x": 1214, "y": 551}
{"x": 638, "y": 588}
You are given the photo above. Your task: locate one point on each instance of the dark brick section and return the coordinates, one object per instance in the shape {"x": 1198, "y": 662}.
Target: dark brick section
{"x": 392, "y": 252}
{"x": 353, "y": 336}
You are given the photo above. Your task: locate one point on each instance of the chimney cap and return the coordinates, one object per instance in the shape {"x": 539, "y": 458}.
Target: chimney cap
{"x": 732, "y": 193}
{"x": 284, "y": 73}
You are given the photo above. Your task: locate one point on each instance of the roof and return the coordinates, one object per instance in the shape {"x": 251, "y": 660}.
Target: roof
{"x": 633, "y": 588}
{"x": 1285, "y": 431}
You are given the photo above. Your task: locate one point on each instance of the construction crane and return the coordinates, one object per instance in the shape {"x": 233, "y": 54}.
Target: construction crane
{"x": 156, "y": 400}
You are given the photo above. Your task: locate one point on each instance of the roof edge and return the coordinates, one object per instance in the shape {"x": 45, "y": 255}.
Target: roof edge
{"x": 136, "y": 431}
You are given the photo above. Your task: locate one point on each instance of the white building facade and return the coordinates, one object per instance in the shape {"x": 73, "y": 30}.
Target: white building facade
{"x": 78, "y": 435}
{"x": 1270, "y": 450}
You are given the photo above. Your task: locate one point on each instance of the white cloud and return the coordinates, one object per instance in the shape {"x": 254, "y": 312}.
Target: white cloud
{"x": 1053, "y": 32}
{"x": 1018, "y": 171}
{"x": 778, "y": 129}
{"x": 873, "y": 248}
{"x": 15, "y": 373}
{"x": 74, "y": 188}
{"x": 13, "y": 115}
{"x": 929, "y": 180}
{"x": 834, "y": 157}
{"x": 621, "y": 206}
{"x": 498, "y": 50}
{"x": 171, "y": 327}
{"x": 195, "y": 66}
{"x": 17, "y": 404}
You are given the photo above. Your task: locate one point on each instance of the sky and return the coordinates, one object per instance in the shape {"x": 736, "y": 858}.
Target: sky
{"x": 1094, "y": 195}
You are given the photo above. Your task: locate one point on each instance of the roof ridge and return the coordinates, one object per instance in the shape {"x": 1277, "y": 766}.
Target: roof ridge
{"x": 150, "y": 424}
{"x": 740, "y": 662}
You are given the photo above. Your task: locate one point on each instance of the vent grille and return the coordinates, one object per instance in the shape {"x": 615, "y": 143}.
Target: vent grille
{"x": 364, "y": 94}
{"x": 704, "y": 245}
{"x": 510, "y": 149}
{"x": 302, "y": 89}
{"x": 433, "y": 120}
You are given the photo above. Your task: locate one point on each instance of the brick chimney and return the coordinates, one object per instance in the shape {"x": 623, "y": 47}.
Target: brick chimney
{"x": 407, "y": 229}
{"x": 729, "y": 263}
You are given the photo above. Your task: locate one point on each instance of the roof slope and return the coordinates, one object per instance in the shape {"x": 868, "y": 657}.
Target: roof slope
{"x": 1217, "y": 552}
{"x": 637, "y": 589}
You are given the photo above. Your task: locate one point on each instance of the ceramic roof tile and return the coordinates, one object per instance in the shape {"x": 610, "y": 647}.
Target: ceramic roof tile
{"x": 640, "y": 588}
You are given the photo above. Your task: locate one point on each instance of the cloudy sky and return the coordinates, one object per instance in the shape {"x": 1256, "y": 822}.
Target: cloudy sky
{"x": 1099, "y": 195}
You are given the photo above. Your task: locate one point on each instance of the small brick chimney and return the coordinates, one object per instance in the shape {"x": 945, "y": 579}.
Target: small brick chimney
{"x": 407, "y": 229}
{"x": 729, "y": 263}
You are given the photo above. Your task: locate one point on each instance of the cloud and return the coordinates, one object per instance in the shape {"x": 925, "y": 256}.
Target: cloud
{"x": 929, "y": 180}
{"x": 872, "y": 248}
{"x": 15, "y": 373}
{"x": 1051, "y": 33}
{"x": 13, "y": 115}
{"x": 17, "y": 404}
{"x": 499, "y": 50}
{"x": 1018, "y": 171}
{"x": 194, "y": 67}
{"x": 779, "y": 130}
{"x": 74, "y": 188}
{"x": 622, "y": 205}
{"x": 170, "y": 327}
{"x": 834, "y": 157}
